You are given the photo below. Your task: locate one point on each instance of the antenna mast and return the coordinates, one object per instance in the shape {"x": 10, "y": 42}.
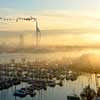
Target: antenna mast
{"x": 38, "y": 33}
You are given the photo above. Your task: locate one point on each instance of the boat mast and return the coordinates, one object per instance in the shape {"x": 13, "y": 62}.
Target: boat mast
{"x": 96, "y": 81}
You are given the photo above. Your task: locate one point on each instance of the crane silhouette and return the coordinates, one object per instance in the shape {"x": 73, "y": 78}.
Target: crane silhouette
{"x": 34, "y": 19}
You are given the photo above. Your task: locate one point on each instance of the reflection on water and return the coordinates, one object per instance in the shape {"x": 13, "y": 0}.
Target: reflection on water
{"x": 57, "y": 93}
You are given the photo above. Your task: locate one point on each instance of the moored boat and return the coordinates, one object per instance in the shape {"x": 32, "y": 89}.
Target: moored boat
{"x": 20, "y": 93}
{"x": 74, "y": 97}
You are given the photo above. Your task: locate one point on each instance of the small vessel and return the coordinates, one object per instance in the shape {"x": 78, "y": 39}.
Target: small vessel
{"x": 20, "y": 93}
{"x": 16, "y": 82}
{"x": 51, "y": 83}
{"x": 38, "y": 85}
{"x": 74, "y": 97}
{"x": 32, "y": 93}
{"x": 98, "y": 94}
{"x": 88, "y": 93}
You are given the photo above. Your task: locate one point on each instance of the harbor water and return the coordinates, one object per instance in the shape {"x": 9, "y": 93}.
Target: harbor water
{"x": 52, "y": 93}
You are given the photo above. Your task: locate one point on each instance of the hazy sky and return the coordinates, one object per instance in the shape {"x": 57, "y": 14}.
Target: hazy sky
{"x": 51, "y": 4}
{"x": 81, "y": 16}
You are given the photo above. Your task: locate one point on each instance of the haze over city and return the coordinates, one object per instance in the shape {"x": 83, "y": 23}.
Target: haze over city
{"x": 62, "y": 22}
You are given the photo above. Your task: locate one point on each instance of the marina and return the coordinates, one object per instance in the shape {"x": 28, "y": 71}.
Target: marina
{"x": 43, "y": 78}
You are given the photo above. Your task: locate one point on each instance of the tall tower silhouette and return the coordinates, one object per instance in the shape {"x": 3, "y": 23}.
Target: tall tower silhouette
{"x": 38, "y": 35}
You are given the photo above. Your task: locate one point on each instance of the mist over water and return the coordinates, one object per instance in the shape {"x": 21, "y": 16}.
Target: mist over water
{"x": 78, "y": 57}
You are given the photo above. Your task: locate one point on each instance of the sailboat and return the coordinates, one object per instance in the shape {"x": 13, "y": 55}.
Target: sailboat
{"x": 74, "y": 96}
{"x": 88, "y": 93}
{"x": 98, "y": 88}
